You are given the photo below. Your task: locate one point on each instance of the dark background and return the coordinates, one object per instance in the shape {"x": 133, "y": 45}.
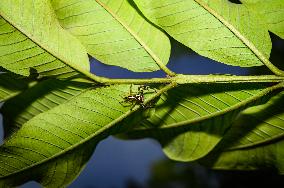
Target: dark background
{"x": 142, "y": 164}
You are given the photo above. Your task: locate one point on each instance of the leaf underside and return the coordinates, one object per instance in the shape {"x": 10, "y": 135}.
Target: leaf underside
{"x": 31, "y": 37}
{"x": 217, "y": 29}
{"x": 52, "y": 127}
{"x": 254, "y": 145}
{"x": 190, "y": 120}
{"x": 41, "y": 97}
{"x": 11, "y": 85}
{"x": 41, "y": 146}
{"x": 272, "y": 12}
{"x": 266, "y": 124}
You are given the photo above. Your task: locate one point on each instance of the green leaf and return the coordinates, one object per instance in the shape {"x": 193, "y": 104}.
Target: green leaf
{"x": 38, "y": 99}
{"x": 255, "y": 141}
{"x": 115, "y": 33}
{"x": 59, "y": 172}
{"x": 272, "y": 12}
{"x": 31, "y": 37}
{"x": 64, "y": 132}
{"x": 41, "y": 97}
{"x": 269, "y": 156}
{"x": 217, "y": 29}
{"x": 11, "y": 85}
{"x": 251, "y": 1}
{"x": 189, "y": 121}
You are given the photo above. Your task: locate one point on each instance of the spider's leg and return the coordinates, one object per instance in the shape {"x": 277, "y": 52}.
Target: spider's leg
{"x": 133, "y": 105}
{"x": 130, "y": 89}
{"x": 143, "y": 105}
{"x": 125, "y": 103}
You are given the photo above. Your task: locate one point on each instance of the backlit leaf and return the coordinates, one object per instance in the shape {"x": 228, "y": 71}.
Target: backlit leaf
{"x": 41, "y": 97}
{"x": 50, "y": 147}
{"x": 266, "y": 124}
{"x": 31, "y": 37}
{"x": 255, "y": 141}
{"x": 11, "y": 85}
{"x": 272, "y": 12}
{"x": 115, "y": 33}
{"x": 217, "y": 29}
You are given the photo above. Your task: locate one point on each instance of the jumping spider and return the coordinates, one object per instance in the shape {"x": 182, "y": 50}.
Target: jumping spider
{"x": 137, "y": 98}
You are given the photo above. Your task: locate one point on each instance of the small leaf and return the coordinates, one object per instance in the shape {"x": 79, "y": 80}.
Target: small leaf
{"x": 189, "y": 121}
{"x": 115, "y": 33}
{"x": 217, "y": 29}
{"x": 31, "y": 37}
{"x": 11, "y": 85}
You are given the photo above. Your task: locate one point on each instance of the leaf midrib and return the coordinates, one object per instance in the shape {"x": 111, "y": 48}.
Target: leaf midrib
{"x": 256, "y": 144}
{"x": 92, "y": 136}
{"x": 137, "y": 38}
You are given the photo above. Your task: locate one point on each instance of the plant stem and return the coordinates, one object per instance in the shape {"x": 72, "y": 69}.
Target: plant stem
{"x": 184, "y": 79}
{"x": 190, "y": 79}
{"x": 273, "y": 68}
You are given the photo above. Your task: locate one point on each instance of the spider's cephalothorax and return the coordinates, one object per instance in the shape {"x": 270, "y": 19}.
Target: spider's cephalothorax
{"x": 136, "y": 99}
